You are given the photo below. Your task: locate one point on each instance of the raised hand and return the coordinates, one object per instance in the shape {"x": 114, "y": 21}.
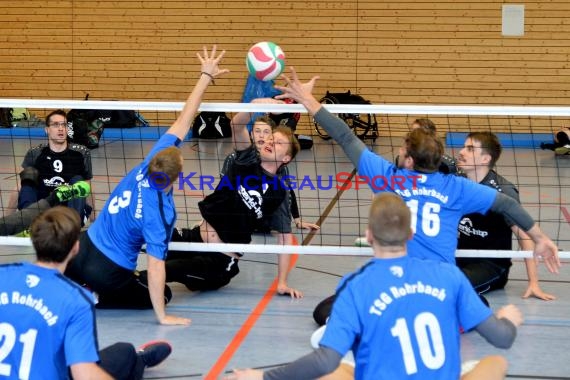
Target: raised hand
{"x": 210, "y": 63}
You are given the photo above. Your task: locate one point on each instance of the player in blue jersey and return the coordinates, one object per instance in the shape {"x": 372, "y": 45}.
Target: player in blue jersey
{"x": 141, "y": 210}
{"x": 47, "y": 322}
{"x": 401, "y": 315}
{"x": 437, "y": 201}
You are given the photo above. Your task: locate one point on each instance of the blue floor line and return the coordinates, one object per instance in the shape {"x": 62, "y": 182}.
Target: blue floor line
{"x": 508, "y": 140}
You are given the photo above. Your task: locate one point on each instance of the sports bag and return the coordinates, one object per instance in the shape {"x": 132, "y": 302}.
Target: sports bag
{"x": 211, "y": 125}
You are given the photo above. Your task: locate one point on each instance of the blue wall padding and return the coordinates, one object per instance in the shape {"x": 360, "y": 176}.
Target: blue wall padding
{"x": 452, "y": 139}
{"x": 508, "y": 140}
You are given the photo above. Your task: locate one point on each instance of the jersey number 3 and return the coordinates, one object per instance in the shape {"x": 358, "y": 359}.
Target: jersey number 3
{"x": 429, "y": 341}
{"x": 8, "y": 339}
{"x": 118, "y": 203}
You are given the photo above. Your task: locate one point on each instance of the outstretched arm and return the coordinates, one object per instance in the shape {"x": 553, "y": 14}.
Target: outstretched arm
{"x": 209, "y": 70}
{"x": 544, "y": 247}
{"x": 533, "y": 288}
{"x": 240, "y": 134}
{"x": 335, "y": 127}
{"x": 318, "y": 363}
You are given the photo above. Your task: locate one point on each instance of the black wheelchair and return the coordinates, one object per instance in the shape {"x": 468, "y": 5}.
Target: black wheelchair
{"x": 364, "y": 126}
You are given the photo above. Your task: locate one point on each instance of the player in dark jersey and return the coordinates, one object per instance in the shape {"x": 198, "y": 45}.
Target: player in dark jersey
{"x": 249, "y": 190}
{"x": 477, "y": 159}
{"x": 58, "y": 162}
{"x": 47, "y": 322}
{"x": 401, "y": 315}
{"x": 20, "y": 220}
{"x": 280, "y": 220}
{"x": 141, "y": 210}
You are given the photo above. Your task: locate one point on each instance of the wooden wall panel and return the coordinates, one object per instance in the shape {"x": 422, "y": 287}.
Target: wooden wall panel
{"x": 406, "y": 51}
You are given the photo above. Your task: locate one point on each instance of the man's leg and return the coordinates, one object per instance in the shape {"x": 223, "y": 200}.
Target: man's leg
{"x": 132, "y": 295}
{"x": 198, "y": 270}
{"x": 201, "y": 270}
{"x": 323, "y": 310}
{"x": 484, "y": 275}
{"x": 121, "y": 361}
{"x": 21, "y": 219}
{"x": 78, "y": 204}
{"x": 29, "y": 181}
{"x": 117, "y": 287}
{"x": 489, "y": 368}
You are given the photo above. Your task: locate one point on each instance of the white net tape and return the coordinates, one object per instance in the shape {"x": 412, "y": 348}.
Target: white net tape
{"x": 301, "y": 250}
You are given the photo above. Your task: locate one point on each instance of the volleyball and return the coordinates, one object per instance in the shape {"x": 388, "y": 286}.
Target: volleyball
{"x": 265, "y": 61}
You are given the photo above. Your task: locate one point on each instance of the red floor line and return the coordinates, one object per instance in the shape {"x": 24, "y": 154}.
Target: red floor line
{"x": 565, "y": 213}
{"x": 249, "y": 323}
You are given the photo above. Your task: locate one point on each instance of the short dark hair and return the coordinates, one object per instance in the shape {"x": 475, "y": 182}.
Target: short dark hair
{"x": 426, "y": 124}
{"x": 389, "y": 220}
{"x": 267, "y": 120}
{"x": 56, "y": 112}
{"x": 54, "y": 233}
{"x": 490, "y": 145}
{"x": 425, "y": 149}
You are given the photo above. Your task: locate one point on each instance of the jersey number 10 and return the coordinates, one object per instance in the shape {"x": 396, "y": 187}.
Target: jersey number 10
{"x": 427, "y": 334}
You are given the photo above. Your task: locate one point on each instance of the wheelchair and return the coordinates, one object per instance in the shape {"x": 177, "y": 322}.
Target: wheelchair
{"x": 364, "y": 126}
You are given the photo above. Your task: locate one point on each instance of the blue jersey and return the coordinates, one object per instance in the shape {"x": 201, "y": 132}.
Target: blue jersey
{"x": 401, "y": 319}
{"x": 47, "y": 323}
{"x": 437, "y": 202}
{"x": 136, "y": 213}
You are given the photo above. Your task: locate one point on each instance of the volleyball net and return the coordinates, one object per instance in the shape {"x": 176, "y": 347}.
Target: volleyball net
{"x": 327, "y": 187}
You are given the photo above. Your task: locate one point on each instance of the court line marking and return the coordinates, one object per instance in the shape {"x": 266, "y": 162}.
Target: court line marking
{"x": 246, "y": 327}
{"x": 565, "y": 213}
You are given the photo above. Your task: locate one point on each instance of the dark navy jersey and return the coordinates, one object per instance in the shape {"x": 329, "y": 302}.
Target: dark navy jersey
{"x": 244, "y": 196}
{"x": 57, "y": 168}
{"x": 491, "y": 230}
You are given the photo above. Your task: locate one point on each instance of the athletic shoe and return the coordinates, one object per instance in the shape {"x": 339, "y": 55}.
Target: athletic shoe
{"x": 468, "y": 366}
{"x": 153, "y": 353}
{"x": 361, "y": 242}
{"x": 66, "y": 193}
{"x": 317, "y": 336}
{"x": 563, "y": 150}
{"x": 23, "y": 234}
